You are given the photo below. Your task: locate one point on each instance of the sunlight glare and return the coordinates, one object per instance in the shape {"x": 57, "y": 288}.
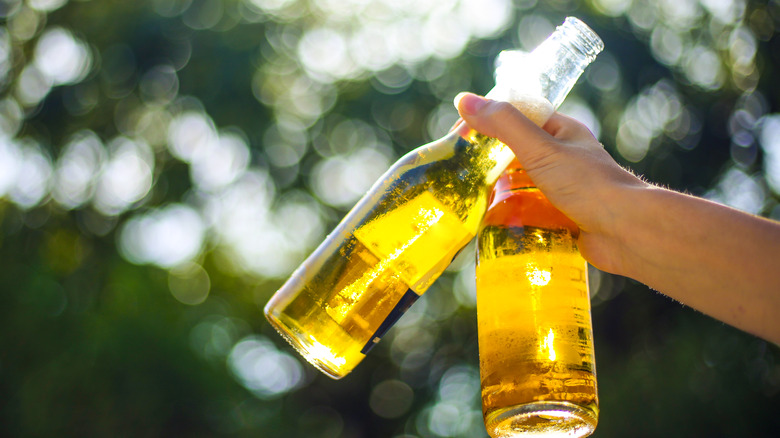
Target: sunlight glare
{"x": 547, "y": 348}
{"x": 537, "y": 277}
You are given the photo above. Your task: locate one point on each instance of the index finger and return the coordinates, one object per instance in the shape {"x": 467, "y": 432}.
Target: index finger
{"x": 503, "y": 121}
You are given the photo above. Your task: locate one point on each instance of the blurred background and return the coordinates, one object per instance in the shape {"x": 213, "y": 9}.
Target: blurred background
{"x": 166, "y": 164}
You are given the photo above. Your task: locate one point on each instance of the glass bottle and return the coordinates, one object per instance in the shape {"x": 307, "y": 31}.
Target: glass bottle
{"x": 537, "y": 364}
{"x": 406, "y": 230}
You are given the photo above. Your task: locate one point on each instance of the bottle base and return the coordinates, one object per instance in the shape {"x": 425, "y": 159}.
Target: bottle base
{"x": 541, "y": 419}
{"x": 313, "y": 352}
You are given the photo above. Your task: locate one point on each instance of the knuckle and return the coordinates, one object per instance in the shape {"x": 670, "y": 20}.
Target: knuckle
{"x": 503, "y": 107}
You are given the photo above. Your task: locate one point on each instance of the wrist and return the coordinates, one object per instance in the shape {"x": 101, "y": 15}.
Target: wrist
{"x": 626, "y": 208}
{"x": 652, "y": 233}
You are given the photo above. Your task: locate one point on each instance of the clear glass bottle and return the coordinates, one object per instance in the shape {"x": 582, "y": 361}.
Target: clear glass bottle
{"x": 406, "y": 230}
{"x": 537, "y": 363}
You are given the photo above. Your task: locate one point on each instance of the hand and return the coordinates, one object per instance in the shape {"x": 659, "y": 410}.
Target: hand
{"x": 568, "y": 165}
{"x": 713, "y": 258}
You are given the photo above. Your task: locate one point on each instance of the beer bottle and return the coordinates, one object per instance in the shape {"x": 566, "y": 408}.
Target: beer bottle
{"x": 536, "y": 358}
{"x": 409, "y": 226}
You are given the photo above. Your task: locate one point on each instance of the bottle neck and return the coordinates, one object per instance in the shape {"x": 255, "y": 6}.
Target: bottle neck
{"x": 560, "y": 63}
{"x": 549, "y": 71}
{"x": 537, "y": 82}
{"x": 512, "y": 180}
{"x": 517, "y": 202}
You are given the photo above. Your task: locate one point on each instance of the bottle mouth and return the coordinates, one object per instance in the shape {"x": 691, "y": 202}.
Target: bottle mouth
{"x": 586, "y": 40}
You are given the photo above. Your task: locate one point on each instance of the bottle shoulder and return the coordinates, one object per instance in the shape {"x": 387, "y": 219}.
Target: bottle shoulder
{"x": 526, "y": 207}
{"x": 460, "y": 155}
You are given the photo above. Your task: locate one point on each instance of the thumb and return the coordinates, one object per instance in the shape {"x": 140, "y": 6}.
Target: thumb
{"x": 503, "y": 121}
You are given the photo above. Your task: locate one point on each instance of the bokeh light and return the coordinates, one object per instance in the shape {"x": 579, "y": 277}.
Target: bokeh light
{"x": 126, "y": 176}
{"x": 454, "y": 412}
{"x": 391, "y": 398}
{"x": 770, "y": 143}
{"x": 25, "y": 22}
{"x": 188, "y": 133}
{"x": 220, "y": 162}
{"x": 739, "y": 190}
{"x": 160, "y": 84}
{"x": 32, "y": 86}
{"x": 264, "y": 370}
{"x": 212, "y": 144}
{"x": 214, "y": 336}
{"x": 189, "y": 283}
{"x": 166, "y": 237}
{"x": 11, "y": 117}
{"x": 340, "y": 181}
{"x": 658, "y": 110}
{"x": 81, "y": 159}
{"x": 61, "y": 58}
{"x": 32, "y": 171}
{"x": 46, "y": 5}
{"x": 6, "y": 56}
{"x": 10, "y": 157}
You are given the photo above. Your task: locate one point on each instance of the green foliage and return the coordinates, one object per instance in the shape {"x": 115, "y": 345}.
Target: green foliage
{"x": 96, "y": 339}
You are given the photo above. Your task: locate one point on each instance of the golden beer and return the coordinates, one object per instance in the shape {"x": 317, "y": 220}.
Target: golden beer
{"x": 537, "y": 363}
{"x": 342, "y": 300}
{"x": 404, "y": 232}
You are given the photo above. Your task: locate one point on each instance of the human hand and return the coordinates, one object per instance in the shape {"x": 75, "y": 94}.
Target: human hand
{"x": 568, "y": 165}
{"x": 672, "y": 242}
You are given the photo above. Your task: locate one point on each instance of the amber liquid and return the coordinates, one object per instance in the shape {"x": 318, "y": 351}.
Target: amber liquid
{"x": 338, "y": 312}
{"x": 390, "y": 248}
{"x": 537, "y": 363}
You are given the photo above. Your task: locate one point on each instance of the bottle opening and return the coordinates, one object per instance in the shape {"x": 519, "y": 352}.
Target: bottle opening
{"x": 583, "y": 37}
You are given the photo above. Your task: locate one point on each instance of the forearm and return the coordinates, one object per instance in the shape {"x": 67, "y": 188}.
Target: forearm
{"x": 718, "y": 260}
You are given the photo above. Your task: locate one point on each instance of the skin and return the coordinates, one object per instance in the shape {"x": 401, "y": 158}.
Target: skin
{"x": 718, "y": 260}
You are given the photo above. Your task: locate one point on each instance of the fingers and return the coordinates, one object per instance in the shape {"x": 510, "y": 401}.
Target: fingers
{"x": 533, "y": 146}
{"x": 500, "y": 120}
{"x": 503, "y": 121}
{"x": 564, "y": 127}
